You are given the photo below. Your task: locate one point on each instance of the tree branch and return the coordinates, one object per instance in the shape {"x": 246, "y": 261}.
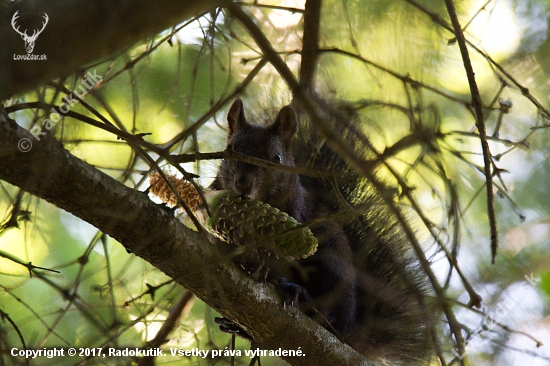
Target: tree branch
{"x": 152, "y": 232}
{"x": 310, "y": 49}
{"x": 480, "y": 124}
{"x": 79, "y": 32}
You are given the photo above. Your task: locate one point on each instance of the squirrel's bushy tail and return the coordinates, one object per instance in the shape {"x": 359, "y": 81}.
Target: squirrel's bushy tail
{"x": 394, "y": 322}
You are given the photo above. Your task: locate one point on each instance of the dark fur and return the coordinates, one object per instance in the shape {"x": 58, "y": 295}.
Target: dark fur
{"x": 363, "y": 278}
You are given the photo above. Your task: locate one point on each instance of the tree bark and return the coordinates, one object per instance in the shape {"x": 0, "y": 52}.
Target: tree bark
{"x": 151, "y": 232}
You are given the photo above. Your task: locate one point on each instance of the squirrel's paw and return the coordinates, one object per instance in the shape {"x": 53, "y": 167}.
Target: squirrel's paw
{"x": 291, "y": 292}
{"x": 227, "y": 326}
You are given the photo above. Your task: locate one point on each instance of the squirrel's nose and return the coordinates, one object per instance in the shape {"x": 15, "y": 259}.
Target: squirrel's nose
{"x": 243, "y": 185}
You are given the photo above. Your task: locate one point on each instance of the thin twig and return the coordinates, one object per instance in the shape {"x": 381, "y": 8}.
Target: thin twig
{"x": 167, "y": 327}
{"x": 480, "y": 124}
{"x": 525, "y": 91}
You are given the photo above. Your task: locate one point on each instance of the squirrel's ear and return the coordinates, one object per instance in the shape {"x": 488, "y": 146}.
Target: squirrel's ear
{"x": 285, "y": 125}
{"x": 235, "y": 118}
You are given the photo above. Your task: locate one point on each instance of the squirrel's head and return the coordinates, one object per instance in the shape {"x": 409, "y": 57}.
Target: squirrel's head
{"x": 272, "y": 143}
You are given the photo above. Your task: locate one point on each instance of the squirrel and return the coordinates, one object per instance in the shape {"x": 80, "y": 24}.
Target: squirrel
{"x": 363, "y": 282}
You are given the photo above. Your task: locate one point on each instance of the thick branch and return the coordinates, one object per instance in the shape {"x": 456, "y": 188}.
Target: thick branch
{"x": 79, "y": 32}
{"x": 152, "y": 232}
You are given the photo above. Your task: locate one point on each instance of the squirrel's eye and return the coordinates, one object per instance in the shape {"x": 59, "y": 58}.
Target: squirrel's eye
{"x": 277, "y": 158}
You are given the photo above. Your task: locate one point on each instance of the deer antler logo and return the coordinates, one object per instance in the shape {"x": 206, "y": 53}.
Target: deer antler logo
{"x": 29, "y": 40}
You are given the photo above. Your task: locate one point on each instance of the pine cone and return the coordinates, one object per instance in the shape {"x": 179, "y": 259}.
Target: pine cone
{"x": 185, "y": 189}
{"x": 257, "y": 226}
